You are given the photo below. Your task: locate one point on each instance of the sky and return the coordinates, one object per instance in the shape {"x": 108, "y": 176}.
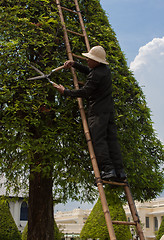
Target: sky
{"x": 139, "y": 27}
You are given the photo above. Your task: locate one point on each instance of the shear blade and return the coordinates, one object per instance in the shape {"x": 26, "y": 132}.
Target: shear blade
{"x": 38, "y": 77}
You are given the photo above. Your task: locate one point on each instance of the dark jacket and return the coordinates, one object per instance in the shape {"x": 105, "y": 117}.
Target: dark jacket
{"x": 97, "y": 89}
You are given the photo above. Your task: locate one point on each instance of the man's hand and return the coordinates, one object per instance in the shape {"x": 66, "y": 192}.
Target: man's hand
{"x": 68, "y": 64}
{"x": 59, "y": 88}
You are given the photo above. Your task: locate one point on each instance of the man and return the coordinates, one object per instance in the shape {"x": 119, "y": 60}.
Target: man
{"x": 98, "y": 91}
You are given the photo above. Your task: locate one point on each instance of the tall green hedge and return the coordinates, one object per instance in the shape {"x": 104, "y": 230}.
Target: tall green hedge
{"x": 31, "y": 32}
{"x": 161, "y": 230}
{"x": 95, "y": 226}
{"x": 8, "y": 228}
{"x": 58, "y": 235}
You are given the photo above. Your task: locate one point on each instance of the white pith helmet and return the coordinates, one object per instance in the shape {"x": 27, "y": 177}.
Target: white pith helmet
{"x": 97, "y": 53}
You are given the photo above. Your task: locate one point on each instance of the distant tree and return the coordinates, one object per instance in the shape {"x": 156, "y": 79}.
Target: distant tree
{"x": 42, "y": 144}
{"x": 160, "y": 232}
{"x": 95, "y": 226}
{"x": 8, "y": 228}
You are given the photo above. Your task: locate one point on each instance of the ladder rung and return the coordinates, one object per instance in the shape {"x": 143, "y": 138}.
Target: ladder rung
{"x": 79, "y": 34}
{"x": 69, "y": 10}
{"x": 77, "y": 56}
{"x": 115, "y": 183}
{"x": 81, "y": 83}
{"x": 123, "y": 223}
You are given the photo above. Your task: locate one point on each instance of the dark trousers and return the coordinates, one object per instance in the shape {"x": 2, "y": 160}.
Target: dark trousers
{"x": 104, "y": 138}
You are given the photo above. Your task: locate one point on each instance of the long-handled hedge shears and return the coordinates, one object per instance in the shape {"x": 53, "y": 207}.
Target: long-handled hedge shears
{"x": 42, "y": 75}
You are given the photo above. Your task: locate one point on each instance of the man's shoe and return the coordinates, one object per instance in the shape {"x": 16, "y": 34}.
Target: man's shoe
{"x": 121, "y": 174}
{"x": 109, "y": 176}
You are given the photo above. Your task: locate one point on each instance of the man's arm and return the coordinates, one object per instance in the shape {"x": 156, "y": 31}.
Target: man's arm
{"x": 78, "y": 66}
{"x": 87, "y": 90}
{"x": 81, "y": 68}
{"x": 83, "y": 92}
{"x": 75, "y": 93}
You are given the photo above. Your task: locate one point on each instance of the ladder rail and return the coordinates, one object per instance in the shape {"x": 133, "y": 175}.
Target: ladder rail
{"x": 68, "y": 47}
{"x": 82, "y": 25}
{"x": 134, "y": 213}
{"x": 99, "y": 182}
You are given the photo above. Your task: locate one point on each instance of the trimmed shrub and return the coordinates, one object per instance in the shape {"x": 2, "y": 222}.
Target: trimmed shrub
{"x": 95, "y": 226}
{"x": 160, "y": 232}
{"x": 8, "y": 228}
{"x": 24, "y": 234}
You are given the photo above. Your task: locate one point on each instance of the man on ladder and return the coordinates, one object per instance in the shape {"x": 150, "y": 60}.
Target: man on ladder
{"x": 98, "y": 91}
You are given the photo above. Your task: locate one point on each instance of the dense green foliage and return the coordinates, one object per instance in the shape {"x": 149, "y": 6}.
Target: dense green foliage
{"x": 31, "y": 32}
{"x": 37, "y": 121}
{"x": 8, "y": 228}
{"x": 160, "y": 232}
{"x": 95, "y": 226}
{"x": 24, "y": 233}
{"x": 58, "y": 235}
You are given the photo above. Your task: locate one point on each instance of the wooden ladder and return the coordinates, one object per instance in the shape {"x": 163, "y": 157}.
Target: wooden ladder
{"x": 99, "y": 182}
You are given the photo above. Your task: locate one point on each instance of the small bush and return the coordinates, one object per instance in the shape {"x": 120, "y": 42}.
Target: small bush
{"x": 160, "y": 232}
{"x": 95, "y": 226}
{"x": 8, "y": 228}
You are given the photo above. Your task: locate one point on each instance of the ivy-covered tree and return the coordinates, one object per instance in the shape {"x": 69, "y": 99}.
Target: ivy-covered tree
{"x": 41, "y": 137}
{"x": 95, "y": 226}
{"x": 160, "y": 232}
{"x": 8, "y": 228}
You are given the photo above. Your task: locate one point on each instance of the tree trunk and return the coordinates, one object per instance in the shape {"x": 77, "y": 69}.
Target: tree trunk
{"x": 40, "y": 212}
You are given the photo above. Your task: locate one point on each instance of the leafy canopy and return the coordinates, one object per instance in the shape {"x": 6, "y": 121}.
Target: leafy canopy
{"x": 38, "y": 123}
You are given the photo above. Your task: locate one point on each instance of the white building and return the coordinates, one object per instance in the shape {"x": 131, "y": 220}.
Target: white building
{"x": 19, "y": 211}
{"x": 18, "y": 207}
{"x": 151, "y": 214}
{"x": 71, "y": 222}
